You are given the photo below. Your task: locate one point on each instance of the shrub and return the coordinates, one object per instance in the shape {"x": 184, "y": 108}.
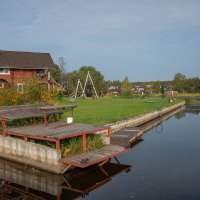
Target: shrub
{"x": 34, "y": 93}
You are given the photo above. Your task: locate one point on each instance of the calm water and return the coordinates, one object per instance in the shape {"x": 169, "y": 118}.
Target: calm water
{"x": 164, "y": 166}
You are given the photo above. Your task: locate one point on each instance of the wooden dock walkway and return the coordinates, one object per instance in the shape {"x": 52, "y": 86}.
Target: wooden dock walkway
{"x": 92, "y": 157}
{"x": 126, "y": 136}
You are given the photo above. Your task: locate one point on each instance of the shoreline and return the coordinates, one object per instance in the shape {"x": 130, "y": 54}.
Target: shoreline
{"x": 143, "y": 118}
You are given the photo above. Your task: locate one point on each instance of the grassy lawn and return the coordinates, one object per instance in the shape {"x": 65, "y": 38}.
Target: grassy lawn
{"x": 108, "y": 110}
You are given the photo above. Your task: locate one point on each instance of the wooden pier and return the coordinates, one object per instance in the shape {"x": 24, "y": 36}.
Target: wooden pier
{"x": 126, "y": 136}
{"x": 58, "y": 130}
{"x": 100, "y": 156}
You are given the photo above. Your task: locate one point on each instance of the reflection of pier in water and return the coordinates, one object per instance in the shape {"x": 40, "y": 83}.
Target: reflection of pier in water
{"x": 17, "y": 181}
{"x": 158, "y": 121}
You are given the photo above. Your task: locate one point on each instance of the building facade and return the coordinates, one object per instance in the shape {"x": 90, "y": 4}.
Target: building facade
{"x": 17, "y": 67}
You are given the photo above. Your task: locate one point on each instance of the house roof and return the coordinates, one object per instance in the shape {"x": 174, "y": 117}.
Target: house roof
{"x": 25, "y": 60}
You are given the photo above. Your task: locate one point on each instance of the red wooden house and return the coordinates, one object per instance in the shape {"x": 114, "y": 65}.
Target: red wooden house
{"x": 16, "y": 67}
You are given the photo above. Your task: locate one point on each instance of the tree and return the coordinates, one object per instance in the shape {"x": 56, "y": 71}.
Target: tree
{"x": 62, "y": 63}
{"x": 126, "y": 88}
{"x": 56, "y": 73}
{"x": 97, "y": 78}
{"x": 156, "y": 86}
{"x": 179, "y": 82}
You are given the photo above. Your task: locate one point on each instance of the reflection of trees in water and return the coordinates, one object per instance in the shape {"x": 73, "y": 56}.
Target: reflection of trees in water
{"x": 180, "y": 115}
{"x": 194, "y": 111}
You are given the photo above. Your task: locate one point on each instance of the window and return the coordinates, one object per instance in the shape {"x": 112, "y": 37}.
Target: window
{"x": 4, "y": 71}
{"x": 40, "y": 72}
{"x": 20, "y": 87}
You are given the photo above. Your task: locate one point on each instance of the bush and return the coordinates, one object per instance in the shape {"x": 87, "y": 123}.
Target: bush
{"x": 34, "y": 93}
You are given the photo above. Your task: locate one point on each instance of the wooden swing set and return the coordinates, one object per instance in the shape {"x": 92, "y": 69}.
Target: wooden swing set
{"x": 79, "y": 85}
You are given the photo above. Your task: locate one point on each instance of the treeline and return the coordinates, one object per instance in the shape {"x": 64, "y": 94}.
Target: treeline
{"x": 69, "y": 81}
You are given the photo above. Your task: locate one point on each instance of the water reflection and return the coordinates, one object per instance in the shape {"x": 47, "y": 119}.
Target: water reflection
{"x": 195, "y": 110}
{"x": 157, "y": 123}
{"x": 20, "y": 182}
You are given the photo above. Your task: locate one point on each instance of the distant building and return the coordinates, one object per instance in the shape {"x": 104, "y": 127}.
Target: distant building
{"x": 171, "y": 94}
{"x": 113, "y": 90}
{"x": 16, "y": 67}
{"x": 137, "y": 89}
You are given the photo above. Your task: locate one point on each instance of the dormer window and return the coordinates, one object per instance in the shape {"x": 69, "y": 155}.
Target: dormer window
{"x": 5, "y": 71}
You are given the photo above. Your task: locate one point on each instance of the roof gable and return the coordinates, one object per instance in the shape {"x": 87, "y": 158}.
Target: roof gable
{"x": 25, "y": 60}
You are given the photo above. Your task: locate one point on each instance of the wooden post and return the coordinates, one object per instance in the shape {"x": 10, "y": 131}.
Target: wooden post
{"x": 45, "y": 118}
{"x": 3, "y": 124}
{"x": 26, "y": 139}
{"x": 84, "y": 143}
{"x": 109, "y": 134}
{"x": 57, "y": 144}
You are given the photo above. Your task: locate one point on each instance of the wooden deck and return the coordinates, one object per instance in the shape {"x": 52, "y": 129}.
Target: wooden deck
{"x": 55, "y": 130}
{"x": 126, "y": 136}
{"x": 29, "y": 111}
{"x": 92, "y": 157}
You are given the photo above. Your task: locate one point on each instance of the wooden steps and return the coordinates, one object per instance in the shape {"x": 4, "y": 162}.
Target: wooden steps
{"x": 126, "y": 136}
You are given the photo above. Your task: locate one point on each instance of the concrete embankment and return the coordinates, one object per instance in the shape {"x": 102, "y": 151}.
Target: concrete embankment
{"x": 143, "y": 118}
{"x": 30, "y": 154}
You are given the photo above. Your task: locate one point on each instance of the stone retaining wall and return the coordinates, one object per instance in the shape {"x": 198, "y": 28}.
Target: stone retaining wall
{"x": 143, "y": 118}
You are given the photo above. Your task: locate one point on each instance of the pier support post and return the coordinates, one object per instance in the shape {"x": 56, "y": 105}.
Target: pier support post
{"x": 45, "y": 118}
{"x": 57, "y": 144}
{"x": 26, "y": 139}
{"x": 84, "y": 143}
{"x": 3, "y": 122}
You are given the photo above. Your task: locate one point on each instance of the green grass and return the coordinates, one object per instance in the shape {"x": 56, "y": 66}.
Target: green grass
{"x": 108, "y": 110}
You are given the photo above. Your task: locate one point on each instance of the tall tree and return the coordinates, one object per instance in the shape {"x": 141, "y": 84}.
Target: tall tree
{"x": 179, "y": 82}
{"x": 62, "y": 63}
{"x": 156, "y": 86}
{"x": 56, "y": 73}
{"x": 126, "y": 88}
{"x": 97, "y": 78}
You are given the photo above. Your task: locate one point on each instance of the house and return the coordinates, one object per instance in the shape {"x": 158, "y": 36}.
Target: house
{"x": 137, "y": 89}
{"x": 113, "y": 90}
{"x": 16, "y": 67}
{"x": 171, "y": 94}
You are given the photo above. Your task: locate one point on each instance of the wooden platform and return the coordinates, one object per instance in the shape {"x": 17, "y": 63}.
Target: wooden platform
{"x": 55, "y": 130}
{"x": 126, "y": 136}
{"x": 92, "y": 157}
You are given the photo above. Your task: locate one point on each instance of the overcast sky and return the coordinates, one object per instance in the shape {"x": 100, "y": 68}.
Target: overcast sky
{"x": 143, "y": 39}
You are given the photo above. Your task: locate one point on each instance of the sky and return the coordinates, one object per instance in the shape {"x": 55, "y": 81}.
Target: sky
{"x": 145, "y": 40}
